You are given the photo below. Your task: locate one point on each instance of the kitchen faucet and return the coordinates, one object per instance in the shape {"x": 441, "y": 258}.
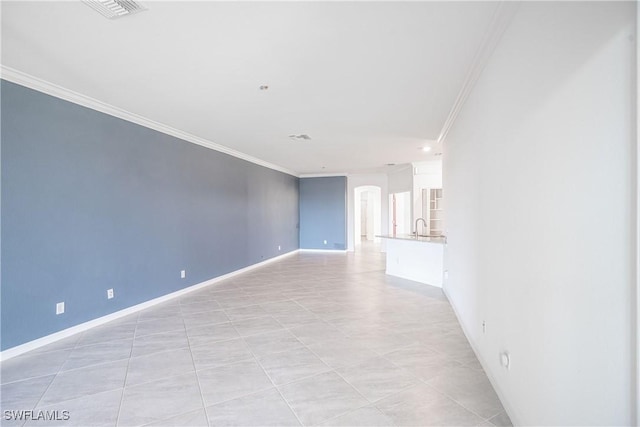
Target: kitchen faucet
{"x": 416, "y": 228}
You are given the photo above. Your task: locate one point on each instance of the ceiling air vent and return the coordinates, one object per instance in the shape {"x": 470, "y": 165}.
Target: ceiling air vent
{"x": 113, "y": 9}
{"x": 302, "y": 136}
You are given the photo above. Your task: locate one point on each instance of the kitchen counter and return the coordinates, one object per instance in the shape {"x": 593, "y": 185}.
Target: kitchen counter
{"x": 419, "y": 259}
{"x": 412, "y": 237}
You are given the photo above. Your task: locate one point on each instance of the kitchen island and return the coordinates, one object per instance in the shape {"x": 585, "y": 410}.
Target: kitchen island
{"x": 415, "y": 258}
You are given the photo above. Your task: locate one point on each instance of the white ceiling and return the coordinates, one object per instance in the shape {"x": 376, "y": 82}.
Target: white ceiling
{"x": 370, "y": 82}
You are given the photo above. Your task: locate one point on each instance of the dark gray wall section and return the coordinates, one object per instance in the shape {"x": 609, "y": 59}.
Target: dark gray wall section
{"x": 323, "y": 212}
{"x": 91, "y": 202}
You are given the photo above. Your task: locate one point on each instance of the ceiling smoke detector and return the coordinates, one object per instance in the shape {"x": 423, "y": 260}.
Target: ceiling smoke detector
{"x": 113, "y": 9}
{"x": 302, "y": 136}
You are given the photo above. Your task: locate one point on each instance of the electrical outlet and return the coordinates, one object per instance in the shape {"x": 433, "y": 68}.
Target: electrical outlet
{"x": 109, "y": 293}
{"x": 446, "y": 274}
{"x": 183, "y": 274}
{"x": 279, "y": 248}
{"x": 325, "y": 242}
{"x": 60, "y": 308}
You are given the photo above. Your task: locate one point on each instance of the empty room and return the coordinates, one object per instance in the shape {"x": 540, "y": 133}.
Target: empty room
{"x": 332, "y": 213}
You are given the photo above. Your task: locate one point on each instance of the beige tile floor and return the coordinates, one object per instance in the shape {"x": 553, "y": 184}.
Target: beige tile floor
{"x": 314, "y": 339}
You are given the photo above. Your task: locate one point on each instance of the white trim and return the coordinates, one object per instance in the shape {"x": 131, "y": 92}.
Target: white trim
{"x": 325, "y": 251}
{"x": 35, "y": 83}
{"x": 503, "y": 398}
{"x": 501, "y": 19}
{"x": 320, "y": 175}
{"x": 49, "y": 339}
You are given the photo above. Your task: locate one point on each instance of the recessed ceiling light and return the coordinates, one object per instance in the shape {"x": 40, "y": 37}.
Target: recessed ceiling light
{"x": 426, "y": 149}
{"x": 114, "y": 8}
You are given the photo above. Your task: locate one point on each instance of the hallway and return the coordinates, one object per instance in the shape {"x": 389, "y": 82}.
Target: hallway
{"x": 313, "y": 339}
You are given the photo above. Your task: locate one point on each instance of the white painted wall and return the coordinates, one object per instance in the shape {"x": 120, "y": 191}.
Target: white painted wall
{"x": 401, "y": 182}
{"x": 425, "y": 175}
{"x": 401, "y": 179}
{"x": 538, "y": 191}
{"x": 358, "y": 180}
{"x": 368, "y": 196}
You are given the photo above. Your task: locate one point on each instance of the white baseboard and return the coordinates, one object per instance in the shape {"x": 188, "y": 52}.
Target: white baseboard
{"x": 503, "y": 399}
{"x": 65, "y": 333}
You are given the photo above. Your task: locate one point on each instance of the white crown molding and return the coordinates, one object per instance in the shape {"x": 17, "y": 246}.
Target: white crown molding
{"x": 27, "y": 80}
{"x": 502, "y": 17}
{"x": 320, "y": 175}
{"x": 57, "y": 336}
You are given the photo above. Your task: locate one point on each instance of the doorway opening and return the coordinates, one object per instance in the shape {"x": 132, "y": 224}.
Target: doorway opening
{"x": 368, "y": 213}
{"x": 400, "y": 213}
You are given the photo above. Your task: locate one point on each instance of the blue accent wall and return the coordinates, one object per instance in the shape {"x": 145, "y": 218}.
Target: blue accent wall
{"x": 323, "y": 213}
{"x": 92, "y": 202}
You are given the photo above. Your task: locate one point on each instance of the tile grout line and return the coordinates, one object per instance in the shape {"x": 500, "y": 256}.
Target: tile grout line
{"x": 126, "y": 374}
{"x": 195, "y": 372}
{"x": 458, "y": 403}
{"x": 335, "y": 370}
{"x": 57, "y": 373}
{"x": 43, "y": 393}
{"x": 326, "y": 290}
{"x": 425, "y": 382}
{"x": 257, "y": 361}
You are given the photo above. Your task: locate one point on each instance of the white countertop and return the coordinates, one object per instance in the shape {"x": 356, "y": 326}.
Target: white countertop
{"x": 412, "y": 237}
